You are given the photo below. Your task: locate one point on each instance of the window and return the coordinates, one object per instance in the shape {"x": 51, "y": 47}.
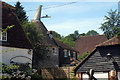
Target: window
{"x": 118, "y": 75}
{"x": 3, "y": 36}
{"x": 65, "y": 53}
{"x": 74, "y": 55}
{"x": 54, "y": 50}
{"x": 69, "y": 53}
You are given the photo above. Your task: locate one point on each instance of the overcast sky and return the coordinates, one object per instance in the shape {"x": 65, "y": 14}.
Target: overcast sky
{"x": 83, "y": 15}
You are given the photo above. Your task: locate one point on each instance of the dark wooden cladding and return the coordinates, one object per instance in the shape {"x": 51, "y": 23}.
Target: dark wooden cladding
{"x": 98, "y": 61}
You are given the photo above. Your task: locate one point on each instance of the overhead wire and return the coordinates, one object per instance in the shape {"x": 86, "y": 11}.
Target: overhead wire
{"x": 55, "y": 6}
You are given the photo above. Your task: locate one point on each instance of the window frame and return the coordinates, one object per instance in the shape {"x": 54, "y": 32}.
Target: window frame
{"x": 4, "y": 37}
{"x": 74, "y": 55}
{"x": 54, "y": 50}
{"x": 65, "y": 53}
{"x": 69, "y": 53}
{"x": 118, "y": 75}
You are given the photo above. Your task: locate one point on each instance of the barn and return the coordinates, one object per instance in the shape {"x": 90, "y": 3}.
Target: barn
{"x": 104, "y": 61}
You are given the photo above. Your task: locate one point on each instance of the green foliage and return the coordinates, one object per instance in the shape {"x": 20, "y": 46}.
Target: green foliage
{"x": 20, "y": 12}
{"x": 12, "y": 72}
{"x": 40, "y": 49}
{"x": 32, "y": 32}
{"x": 83, "y": 34}
{"x": 68, "y": 40}
{"x": 36, "y": 76}
{"x": 92, "y": 32}
{"x": 111, "y": 26}
{"x": 71, "y": 38}
{"x": 9, "y": 68}
{"x": 8, "y": 27}
{"x": 83, "y": 55}
{"x": 56, "y": 35}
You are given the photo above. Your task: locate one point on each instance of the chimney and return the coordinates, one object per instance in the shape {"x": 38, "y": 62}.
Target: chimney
{"x": 38, "y": 14}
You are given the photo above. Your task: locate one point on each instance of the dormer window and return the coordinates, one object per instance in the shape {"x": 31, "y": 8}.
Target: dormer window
{"x": 3, "y": 36}
{"x": 49, "y": 34}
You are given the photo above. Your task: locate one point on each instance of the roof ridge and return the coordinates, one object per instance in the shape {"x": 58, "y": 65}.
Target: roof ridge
{"x": 115, "y": 37}
{"x": 92, "y": 35}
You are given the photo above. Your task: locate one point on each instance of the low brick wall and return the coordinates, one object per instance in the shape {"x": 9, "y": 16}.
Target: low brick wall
{"x": 53, "y": 73}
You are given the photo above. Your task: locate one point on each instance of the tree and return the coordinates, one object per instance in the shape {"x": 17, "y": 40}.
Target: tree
{"x": 76, "y": 35}
{"x": 40, "y": 49}
{"x": 68, "y": 40}
{"x": 71, "y": 38}
{"x": 83, "y": 34}
{"x": 56, "y": 35}
{"x": 20, "y": 12}
{"x": 111, "y": 26}
{"x": 92, "y": 32}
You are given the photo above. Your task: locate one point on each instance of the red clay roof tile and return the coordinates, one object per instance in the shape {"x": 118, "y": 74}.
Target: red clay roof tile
{"x": 88, "y": 43}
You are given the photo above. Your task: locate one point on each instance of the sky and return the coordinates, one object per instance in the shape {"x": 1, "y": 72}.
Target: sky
{"x": 66, "y": 17}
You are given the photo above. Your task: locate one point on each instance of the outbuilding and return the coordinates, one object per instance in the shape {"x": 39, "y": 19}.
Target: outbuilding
{"x": 104, "y": 61}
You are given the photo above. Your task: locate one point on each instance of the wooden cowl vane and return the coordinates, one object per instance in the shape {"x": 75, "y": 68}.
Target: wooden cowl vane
{"x": 38, "y": 14}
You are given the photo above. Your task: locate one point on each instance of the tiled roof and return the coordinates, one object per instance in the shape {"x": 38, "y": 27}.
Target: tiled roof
{"x": 88, "y": 43}
{"x": 16, "y": 35}
{"x": 46, "y": 40}
{"x": 112, "y": 41}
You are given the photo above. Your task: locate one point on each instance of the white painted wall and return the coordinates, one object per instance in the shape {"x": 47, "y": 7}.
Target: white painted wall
{"x": 10, "y": 52}
{"x": 98, "y": 75}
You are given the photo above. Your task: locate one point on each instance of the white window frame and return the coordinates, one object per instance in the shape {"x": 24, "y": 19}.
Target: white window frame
{"x": 69, "y": 53}
{"x": 65, "y": 53}
{"x": 5, "y": 36}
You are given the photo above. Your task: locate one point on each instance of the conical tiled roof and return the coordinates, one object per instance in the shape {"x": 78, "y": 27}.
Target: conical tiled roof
{"x": 43, "y": 30}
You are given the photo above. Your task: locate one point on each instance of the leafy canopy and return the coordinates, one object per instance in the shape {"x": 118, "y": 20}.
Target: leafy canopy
{"x": 92, "y": 32}
{"x": 111, "y": 25}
